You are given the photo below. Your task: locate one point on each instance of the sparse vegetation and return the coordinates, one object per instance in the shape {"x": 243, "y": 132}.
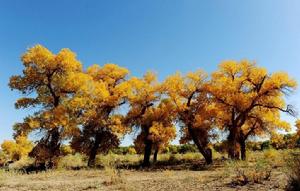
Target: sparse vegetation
{"x": 172, "y": 172}
{"x": 294, "y": 172}
{"x": 70, "y": 161}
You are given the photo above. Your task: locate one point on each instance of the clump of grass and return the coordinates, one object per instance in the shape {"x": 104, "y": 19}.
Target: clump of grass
{"x": 271, "y": 154}
{"x": 275, "y": 157}
{"x": 110, "y": 163}
{"x": 22, "y": 163}
{"x": 216, "y": 155}
{"x": 114, "y": 176}
{"x": 109, "y": 160}
{"x": 294, "y": 172}
{"x": 261, "y": 172}
{"x": 168, "y": 173}
{"x": 236, "y": 168}
{"x": 164, "y": 157}
{"x": 11, "y": 173}
{"x": 70, "y": 161}
{"x": 128, "y": 159}
{"x": 244, "y": 173}
{"x": 191, "y": 156}
{"x": 173, "y": 158}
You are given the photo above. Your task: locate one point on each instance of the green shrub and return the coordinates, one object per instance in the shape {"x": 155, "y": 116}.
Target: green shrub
{"x": 220, "y": 147}
{"x": 120, "y": 150}
{"x": 265, "y": 145}
{"x": 173, "y": 149}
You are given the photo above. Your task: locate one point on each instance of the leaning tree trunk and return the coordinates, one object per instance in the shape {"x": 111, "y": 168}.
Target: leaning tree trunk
{"x": 93, "y": 152}
{"x": 203, "y": 149}
{"x": 155, "y": 155}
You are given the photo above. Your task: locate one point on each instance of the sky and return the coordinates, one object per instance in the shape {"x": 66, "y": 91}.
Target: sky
{"x": 164, "y": 36}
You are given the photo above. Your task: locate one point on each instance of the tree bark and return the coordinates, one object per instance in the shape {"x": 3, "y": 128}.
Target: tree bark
{"x": 155, "y": 155}
{"x": 147, "y": 153}
{"x": 233, "y": 144}
{"x": 206, "y": 152}
{"x": 93, "y": 152}
{"x": 243, "y": 149}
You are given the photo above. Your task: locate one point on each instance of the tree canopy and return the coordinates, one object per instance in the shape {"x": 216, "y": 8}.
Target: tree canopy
{"x": 94, "y": 108}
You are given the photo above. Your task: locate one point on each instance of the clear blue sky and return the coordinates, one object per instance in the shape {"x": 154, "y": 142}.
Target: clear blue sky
{"x": 161, "y": 35}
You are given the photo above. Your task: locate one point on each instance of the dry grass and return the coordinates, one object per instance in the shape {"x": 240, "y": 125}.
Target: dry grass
{"x": 217, "y": 177}
{"x": 294, "y": 172}
{"x": 71, "y": 162}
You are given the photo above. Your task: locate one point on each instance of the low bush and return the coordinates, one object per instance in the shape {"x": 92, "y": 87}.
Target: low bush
{"x": 110, "y": 163}
{"x": 243, "y": 173}
{"x": 70, "y": 161}
{"x": 22, "y": 163}
{"x": 271, "y": 154}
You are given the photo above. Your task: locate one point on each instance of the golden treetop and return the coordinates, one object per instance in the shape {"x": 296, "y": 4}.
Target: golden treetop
{"x": 244, "y": 89}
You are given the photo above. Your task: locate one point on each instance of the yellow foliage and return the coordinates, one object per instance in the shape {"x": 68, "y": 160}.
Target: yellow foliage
{"x": 239, "y": 96}
{"x": 17, "y": 149}
{"x": 131, "y": 151}
{"x": 246, "y": 89}
{"x": 298, "y": 126}
{"x": 47, "y": 81}
{"x": 66, "y": 149}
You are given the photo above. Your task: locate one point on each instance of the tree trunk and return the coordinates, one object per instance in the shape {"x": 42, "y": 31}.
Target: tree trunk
{"x": 93, "y": 152}
{"x": 243, "y": 149}
{"x": 233, "y": 144}
{"x": 208, "y": 156}
{"x": 155, "y": 155}
{"x": 54, "y": 142}
{"x": 206, "y": 152}
{"x": 233, "y": 150}
{"x": 147, "y": 153}
{"x": 47, "y": 148}
{"x": 243, "y": 137}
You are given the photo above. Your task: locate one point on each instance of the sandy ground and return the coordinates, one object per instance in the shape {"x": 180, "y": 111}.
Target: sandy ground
{"x": 210, "y": 179}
